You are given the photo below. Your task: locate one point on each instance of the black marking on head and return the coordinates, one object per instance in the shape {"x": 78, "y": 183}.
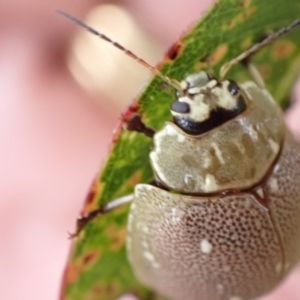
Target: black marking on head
{"x": 217, "y": 117}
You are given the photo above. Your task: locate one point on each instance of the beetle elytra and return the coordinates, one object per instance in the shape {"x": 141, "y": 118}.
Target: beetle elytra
{"x": 222, "y": 219}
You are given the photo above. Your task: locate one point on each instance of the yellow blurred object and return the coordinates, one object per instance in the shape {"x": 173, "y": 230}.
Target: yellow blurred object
{"x": 104, "y": 70}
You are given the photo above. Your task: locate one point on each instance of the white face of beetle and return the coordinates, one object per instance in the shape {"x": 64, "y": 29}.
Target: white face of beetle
{"x": 206, "y": 103}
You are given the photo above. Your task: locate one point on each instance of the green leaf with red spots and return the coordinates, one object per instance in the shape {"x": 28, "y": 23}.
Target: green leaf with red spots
{"x": 97, "y": 267}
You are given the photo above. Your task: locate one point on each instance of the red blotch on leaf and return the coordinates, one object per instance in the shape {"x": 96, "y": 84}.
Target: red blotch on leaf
{"x": 131, "y": 110}
{"x": 75, "y": 267}
{"x": 89, "y": 258}
{"x": 90, "y": 197}
{"x": 174, "y": 51}
{"x": 71, "y": 274}
{"x": 283, "y": 49}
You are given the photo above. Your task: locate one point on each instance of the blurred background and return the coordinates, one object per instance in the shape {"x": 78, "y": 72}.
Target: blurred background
{"x": 55, "y": 130}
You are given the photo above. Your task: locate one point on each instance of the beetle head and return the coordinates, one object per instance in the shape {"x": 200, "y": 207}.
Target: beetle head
{"x": 206, "y": 103}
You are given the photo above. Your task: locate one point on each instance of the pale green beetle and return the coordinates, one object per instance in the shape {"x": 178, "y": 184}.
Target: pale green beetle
{"x": 222, "y": 219}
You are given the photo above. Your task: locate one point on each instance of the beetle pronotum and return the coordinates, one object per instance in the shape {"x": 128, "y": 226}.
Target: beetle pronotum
{"x": 222, "y": 219}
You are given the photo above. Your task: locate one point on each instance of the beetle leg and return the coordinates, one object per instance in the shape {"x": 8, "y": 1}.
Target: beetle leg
{"x": 103, "y": 209}
{"x": 254, "y": 73}
{"x": 135, "y": 123}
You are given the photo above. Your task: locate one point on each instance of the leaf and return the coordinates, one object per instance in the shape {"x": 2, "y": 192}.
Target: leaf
{"x": 97, "y": 266}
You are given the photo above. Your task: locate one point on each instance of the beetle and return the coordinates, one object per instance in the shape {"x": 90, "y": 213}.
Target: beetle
{"x": 222, "y": 218}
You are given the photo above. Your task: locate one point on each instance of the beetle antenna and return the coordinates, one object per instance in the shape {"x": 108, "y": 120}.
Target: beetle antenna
{"x": 269, "y": 39}
{"x": 172, "y": 82}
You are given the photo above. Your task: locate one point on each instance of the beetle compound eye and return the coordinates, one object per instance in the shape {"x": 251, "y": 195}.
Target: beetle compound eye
{"x": 180, "y": 107}
{"x": 233, "y": 88}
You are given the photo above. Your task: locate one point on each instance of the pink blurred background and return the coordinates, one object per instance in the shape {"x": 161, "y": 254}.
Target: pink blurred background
{"x": 54, "y": 135}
